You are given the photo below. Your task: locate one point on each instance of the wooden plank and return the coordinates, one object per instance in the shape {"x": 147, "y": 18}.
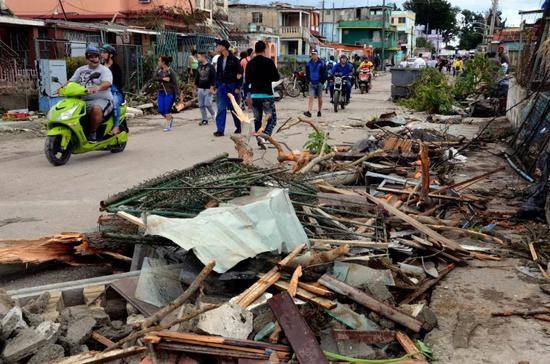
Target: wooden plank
{"x": 293, "y": 285}
{"x": 257, "y": 289}
{"x": 94, "y": 357}
{"x": 297, "y": 331}
{"x": 432, "y": 195}
{"x": 316, "y": 289}
{"x": 427, "y": 284}
{"x": 409, "y": 346}
{"x": 446, "y": 242}
{"x": 307, "y": 296}
{"x": 188, "y": 348}
{"x": 425, "y": 162}
{"x": 370, "y": 302}
{"x": 205, "y": 339}
{"x": 101, "y": 339}
{"x": 131, "y": 218}
{"x": 354, "y": 243}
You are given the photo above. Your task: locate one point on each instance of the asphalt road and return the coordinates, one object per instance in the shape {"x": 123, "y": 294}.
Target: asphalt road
{"x": 38, "y": 199}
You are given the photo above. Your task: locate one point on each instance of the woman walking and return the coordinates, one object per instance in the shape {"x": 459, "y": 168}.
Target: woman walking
{"x": 168, "y": 88}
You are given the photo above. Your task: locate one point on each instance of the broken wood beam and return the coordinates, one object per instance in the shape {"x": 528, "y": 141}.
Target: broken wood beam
{"x": 522, "y": 313}
{"x": 409, "y": 346}
{"x": 257, "y": 289}
{"x": 370, "y": 302}
{"x": 102, "y": 339}
{"x": 94, "y": 357}
{"x": 367, "y": 337}
{"x": 298, "y": 333}
{"x": 446, "y": 242}
{"x": 307, "y": 296}
{"x": 352, "y": 243}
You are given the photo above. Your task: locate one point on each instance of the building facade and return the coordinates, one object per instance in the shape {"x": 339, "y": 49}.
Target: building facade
{"x": 171, "y": 13}
{"x": 292, "y": 28}
{"x": 360, "y": 27}
{"x": 404, "y": 23}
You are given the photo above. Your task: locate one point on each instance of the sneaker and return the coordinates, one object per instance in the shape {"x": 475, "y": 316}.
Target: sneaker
{"x": 308, "y": 114}
{"x": 318, "y": 114}
{"x": 204, "y": 122}
{"x": 218, "y": 134}
{"x": 166, "y": 129}
{"x": 261, "y": 143}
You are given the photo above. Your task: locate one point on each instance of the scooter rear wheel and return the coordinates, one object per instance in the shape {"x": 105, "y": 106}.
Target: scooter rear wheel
{"x": 120, "y": 147}
{"x": 54, "y": 154}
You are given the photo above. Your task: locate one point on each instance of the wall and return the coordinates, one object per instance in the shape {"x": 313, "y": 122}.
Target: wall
{"x": 85, "y": 7}
{"x": 241, "y": 16}
{"x": 516, "y": 93}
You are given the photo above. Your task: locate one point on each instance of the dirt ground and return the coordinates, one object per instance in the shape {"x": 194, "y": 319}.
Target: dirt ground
{"x": 38, "y": 199}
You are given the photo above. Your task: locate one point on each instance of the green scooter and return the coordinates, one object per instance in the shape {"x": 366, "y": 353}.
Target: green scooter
{"x": 66, "y": 133}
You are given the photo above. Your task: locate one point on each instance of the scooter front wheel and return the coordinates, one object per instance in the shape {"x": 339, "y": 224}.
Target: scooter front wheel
{"x": 54, "y": 154}
{"x": 336, "y": 100}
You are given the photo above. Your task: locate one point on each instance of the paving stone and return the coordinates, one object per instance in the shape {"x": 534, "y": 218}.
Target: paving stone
{"x": 47, "y": 354}
{"x": 12, "y": 322}
{"x": 80, "y": 330}
{"x": 27, "y": 342}
{"x": 39, "y": 304}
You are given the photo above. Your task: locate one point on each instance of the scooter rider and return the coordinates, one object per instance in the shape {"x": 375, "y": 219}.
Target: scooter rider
{"x": 108, "y": 54}
{"x": 99, "y": 101}
{"x": 345, "y": 70}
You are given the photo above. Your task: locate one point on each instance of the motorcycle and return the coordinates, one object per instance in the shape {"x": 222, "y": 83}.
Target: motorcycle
{"x": 297, "y": 84}
{"x": 67, "y": 127}
{"x": 365, "y": 79}
{"x": 340, "y": 96}
{"x": 278, "y": 89}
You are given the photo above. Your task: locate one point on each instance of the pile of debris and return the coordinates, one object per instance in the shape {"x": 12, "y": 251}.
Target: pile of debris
{"x": 333, "y": 260}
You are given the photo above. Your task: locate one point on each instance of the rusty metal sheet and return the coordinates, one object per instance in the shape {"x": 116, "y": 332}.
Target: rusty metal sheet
{"x": 296, "y": 329}
{"x": 367, "y": 337}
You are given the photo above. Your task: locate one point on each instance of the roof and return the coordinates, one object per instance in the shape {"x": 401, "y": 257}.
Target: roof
{"x": 20, "y": 21}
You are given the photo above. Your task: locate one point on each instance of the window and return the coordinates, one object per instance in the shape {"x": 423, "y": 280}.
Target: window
{"x": 402, "y": 20}
{"x": 257, "y": 17}
{"x": 358, "y": 13}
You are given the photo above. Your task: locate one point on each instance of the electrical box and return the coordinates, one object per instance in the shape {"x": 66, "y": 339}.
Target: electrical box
{"x": 48, "y": 70}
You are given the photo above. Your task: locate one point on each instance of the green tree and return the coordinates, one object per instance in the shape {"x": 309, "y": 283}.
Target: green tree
{"x": 424, "y": 43}
{"x": 471, "y": 30}
{"x": 435, "y": 14}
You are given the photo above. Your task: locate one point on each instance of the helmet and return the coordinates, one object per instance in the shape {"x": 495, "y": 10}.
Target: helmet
{"x": 91, "y": 50}
{"x": 107, "y": 48}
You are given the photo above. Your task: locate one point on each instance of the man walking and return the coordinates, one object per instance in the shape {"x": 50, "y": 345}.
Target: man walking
{"x": 260, "y": 73}
{"x": 205, "y": 79}
{"x": 229, "y": 75}
{"x": 316, "y": 74}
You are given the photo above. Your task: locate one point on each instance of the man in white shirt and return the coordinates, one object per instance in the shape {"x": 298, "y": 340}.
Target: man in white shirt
{"x": 419, "y": 62}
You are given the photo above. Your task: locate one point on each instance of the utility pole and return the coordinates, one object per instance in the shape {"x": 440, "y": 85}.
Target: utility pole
{"x": 493, "y": 19}
{"x": 383, "y": 31}
{"x": 322, "y": 18}
{"x": 333, "y": 26}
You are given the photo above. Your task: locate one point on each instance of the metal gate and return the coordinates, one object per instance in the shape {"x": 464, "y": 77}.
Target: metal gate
{"x": 129, "y": 57}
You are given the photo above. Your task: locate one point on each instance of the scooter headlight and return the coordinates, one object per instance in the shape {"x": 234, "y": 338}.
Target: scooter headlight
{"x": 67, "y": 114}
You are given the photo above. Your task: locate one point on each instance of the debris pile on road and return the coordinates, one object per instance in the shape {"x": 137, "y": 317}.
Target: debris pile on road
{"x": 229, "y": 260}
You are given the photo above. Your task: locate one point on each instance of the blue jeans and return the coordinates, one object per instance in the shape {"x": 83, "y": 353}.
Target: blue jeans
{"x": 118, "y": 99}
{"x": 223, "y": 103}
{"x": 267, "y": 106}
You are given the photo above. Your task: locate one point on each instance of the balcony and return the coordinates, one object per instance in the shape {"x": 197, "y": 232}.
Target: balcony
{"x": 293, "y": 32}
{"x": 258, "y": 28}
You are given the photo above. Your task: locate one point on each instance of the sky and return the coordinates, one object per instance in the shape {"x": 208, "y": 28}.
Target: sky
{"x": 509, "y": 8}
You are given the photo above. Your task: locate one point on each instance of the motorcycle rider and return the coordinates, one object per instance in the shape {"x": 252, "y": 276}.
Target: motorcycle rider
{"x": 365, "y": 63}
{"x": 329, "y": 65}
{"x": 345, "y": 70}
{"x": 108, "y": 54}
{"x": 99, "y": 101}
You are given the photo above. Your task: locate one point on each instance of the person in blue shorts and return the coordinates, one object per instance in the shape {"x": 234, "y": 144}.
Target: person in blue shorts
{"x": 167, "y": 90}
